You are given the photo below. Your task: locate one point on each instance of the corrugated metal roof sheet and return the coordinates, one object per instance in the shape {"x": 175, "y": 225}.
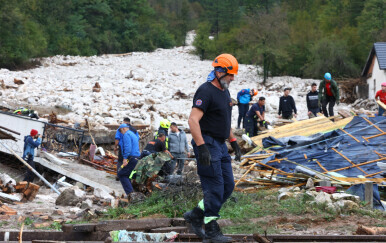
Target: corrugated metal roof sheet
{"x": 380, "y": 51}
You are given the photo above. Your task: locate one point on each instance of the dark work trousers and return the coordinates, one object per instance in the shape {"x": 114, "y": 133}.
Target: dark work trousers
{"x": 125, "y": 173}
{"x": 216, "y": 179}
{"x": 315, "y": 111}
{"x": 30, "y": 175}
{"x": 380, "y": 111}
{"x": 166, "y": 169}
{"x": 243, "y": 109}
{"x": 287, "y": 116}
{"x": 330, "y": 100}
{"x": 177, "y": 161}
{"x": 120, "y": 158}
{"x": 250, "y": 126}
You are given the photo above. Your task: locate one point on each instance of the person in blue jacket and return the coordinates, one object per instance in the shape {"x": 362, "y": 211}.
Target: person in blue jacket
{"x": 243, "y": 98}
{"x": 130, "y": 153}
{"x": 29, "y": 152}
{"x": 118, "y": 138}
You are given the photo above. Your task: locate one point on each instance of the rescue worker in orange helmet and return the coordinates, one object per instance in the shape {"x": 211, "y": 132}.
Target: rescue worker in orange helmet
{"x": 210, "y": 125}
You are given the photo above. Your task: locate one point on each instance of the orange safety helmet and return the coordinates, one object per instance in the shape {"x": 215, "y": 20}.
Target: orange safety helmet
{"x": 254, "y": 92}
{"x": 228, "y": 62}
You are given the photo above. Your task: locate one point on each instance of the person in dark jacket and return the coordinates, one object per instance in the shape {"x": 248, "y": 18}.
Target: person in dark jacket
{"x": 155, "y": 146}
{"x": 164, "y": 128}
{"x": 29, "y": 152}
{"x": 328, "y": 94}
{"x": 287, "y": 105}
{"x": 313, "y": 101}
{"x": 255, "y": 114}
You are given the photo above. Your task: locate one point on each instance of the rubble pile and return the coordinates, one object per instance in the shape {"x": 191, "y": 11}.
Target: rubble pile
{"x": 365, "y": 105}
{"x": 335, "y": 202}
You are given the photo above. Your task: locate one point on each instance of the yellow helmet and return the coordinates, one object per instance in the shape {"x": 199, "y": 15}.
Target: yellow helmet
{"x": 165, "y": 123}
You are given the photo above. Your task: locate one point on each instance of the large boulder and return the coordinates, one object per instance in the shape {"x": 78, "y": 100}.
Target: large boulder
{"x": 347, "y": 205}
{"x": 345, "y": 196}
{"x": 323, "y": 197}
{"x": 70, "y": 197}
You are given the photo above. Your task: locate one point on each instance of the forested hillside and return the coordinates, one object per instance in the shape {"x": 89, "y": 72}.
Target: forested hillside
{"x": 289, "y": 37}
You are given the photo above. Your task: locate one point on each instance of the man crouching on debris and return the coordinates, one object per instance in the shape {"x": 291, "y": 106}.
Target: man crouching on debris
{"x": 130, "y": 154}
{"x": 210, "y": 125}
{"x": 29, "y": 152}
{"x": 256, "y": 113}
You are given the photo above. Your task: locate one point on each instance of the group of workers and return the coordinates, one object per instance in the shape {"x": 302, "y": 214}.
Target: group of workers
{"x": 210, "y": 126}
{"x": 174, "y": 144}
{"x": 316, "y": 102}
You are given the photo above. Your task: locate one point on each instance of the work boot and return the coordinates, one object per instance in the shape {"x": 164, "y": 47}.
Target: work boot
{"x": 213, "y": 233}
{"x": 195, "y": 218}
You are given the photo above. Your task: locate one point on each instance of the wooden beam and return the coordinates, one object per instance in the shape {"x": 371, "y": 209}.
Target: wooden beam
{"x": 350, "y": 135}
{"x": 356, "y": 165}
{"x": 381, "y": 104}
{"x": 374, "y": 136}
{"x": 373, "y": 124}
{"x": 349, "y": 160}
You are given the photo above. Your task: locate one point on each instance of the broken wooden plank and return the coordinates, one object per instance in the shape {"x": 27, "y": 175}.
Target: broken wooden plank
{"x": 4, "y": 209}
{"x": 381, "y": 104}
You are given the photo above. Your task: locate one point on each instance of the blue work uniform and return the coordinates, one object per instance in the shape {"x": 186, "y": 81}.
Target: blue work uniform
{"x": 28, "y": 155}
{"x": 130, "y": 152}
{"x": 118, "y": 136}
{"x": 243, "y": 98}
{"x": 216, "y": 179}
{"x": 250, "y": 122}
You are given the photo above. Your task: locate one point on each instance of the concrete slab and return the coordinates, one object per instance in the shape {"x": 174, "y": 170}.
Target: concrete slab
{"x": 85, "y": 174}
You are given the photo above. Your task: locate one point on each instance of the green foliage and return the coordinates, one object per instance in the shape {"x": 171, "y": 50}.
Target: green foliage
{"x": 285, "y": 37}
{"x": 302, "y": 38}
{"x": 204, "y": 46}
{"x": 332, "y": 56}
{"x": 56, "y": 226}
{"x": 34, "y": 28}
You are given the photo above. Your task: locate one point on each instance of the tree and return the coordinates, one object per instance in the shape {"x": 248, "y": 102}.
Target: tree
{"x": 371, "y": 24}
{"x": 264, "y": 41}
{"x": 330, "y": 55}
{"x": 204, "y": 46}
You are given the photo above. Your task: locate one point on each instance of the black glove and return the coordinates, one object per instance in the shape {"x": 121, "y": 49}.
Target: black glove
{"x": 237, "y": 150}
{"x": 203, "y": 155}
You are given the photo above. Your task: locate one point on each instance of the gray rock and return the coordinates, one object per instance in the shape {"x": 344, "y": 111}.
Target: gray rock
{"x": 70, "y": 197}
{"x": 345, "y": 196}
{"x": 332, "y": 207}
{"x": 102, "y": 194}
{"x": 285, "y": 195}
{"x": 86, "y": 204}
{"x": 347, "y": 205}
{"x": 323, "y": 197}
{"x": 137, "y": 196}
{"x": 80, "y": 185}
{"x": 310, "y": 183}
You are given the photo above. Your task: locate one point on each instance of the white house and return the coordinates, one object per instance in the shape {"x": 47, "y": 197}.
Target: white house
{"x": 375, "y": 69}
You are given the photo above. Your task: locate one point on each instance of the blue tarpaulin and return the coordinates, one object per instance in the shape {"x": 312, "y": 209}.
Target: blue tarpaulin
{"x": 306, "y": 150}
{"x": 359, "y": 190}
